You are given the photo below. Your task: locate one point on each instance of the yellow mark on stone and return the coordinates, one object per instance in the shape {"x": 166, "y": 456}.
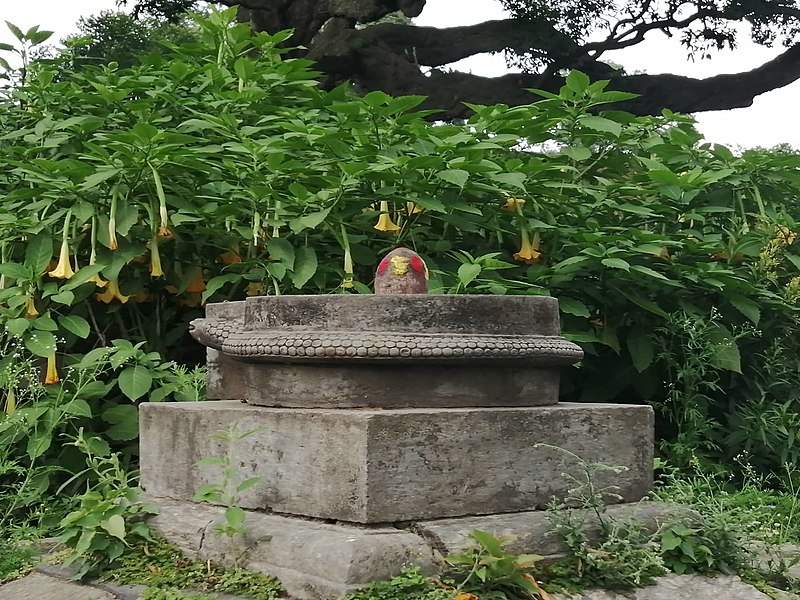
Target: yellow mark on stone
{"x": 399, "y": 265}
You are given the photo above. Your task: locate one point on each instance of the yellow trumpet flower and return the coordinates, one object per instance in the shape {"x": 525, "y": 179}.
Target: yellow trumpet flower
{"x": 11, "y": 401}
{"x": 348, "y": 269}
{"x": 112, "y": 234}
{"x": 112, "y": 293}
{"x": 98, "y": 281}
{"x": 513, "y": 204}
{"x": 155, "y": 259}
{"x": 30, "y": 308}
{"x": 528, "y": 252}
{"x": 63, "y": 269}
{"x": 385, "y": 222}
{"x": 413, "y": 209}
{"x": 51, "y": 377}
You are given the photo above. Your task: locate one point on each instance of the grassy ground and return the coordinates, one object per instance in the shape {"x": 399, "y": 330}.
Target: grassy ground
{"x": 750, "y": 526}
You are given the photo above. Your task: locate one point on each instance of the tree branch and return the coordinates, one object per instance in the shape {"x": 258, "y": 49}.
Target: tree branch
{"x": 434, "y": 47}
{"x": 381, "y": 69}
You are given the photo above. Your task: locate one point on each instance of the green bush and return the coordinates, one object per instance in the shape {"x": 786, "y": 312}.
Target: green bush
{"x": 220, "y": 169}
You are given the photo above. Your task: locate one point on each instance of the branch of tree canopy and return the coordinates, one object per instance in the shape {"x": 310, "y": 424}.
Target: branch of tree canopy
{"x": 374, "y": 45}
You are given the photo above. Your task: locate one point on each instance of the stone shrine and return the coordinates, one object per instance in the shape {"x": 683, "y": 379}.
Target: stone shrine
{"x": 384, "y": 428}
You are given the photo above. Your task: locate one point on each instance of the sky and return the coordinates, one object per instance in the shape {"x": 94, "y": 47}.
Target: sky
{"x": 769, "y": 121}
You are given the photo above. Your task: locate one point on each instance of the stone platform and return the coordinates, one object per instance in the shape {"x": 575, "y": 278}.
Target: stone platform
{"x": 382, "y": 466}
{"x": 319, "y": 560}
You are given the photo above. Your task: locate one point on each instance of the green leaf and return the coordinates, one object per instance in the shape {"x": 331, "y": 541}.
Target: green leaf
{"x": 41, "y": 343}
{"x": 75, "y": 325}
{"x": 44, "y": 324}
{"x": 16, "y": 31}
{"x": 82, "y": 276}
{"x": 644, "y": 303}
{"x": 649, "y": 272}
{"x": 281, "y": 250}
{"x": 747, "y": 307}
{"x": 235, "y": 517}
{"x": 601, "y": 124}
{"x": 18, "y": 326}
{"x": 99, "y": 177}
{"x": 375, "y": 99}
{"x": 78, "y": 407}
{"x": 457, "y": 177}
{"x": 124, "y": 432}
{"x": 121, "y": 413}
{"x": 215, "y": 283}
{"x": 577, "y": 153}
{"x": 616, "y": 263}
{"x": 640, "y": 348}
{"x": 577, "y": 81}
{"x": 39, "y": 252}
{"x": 38, "y": 443}
{"x": 64, "y": 297}
{"x": 515, "y": 179}
{"x": 488, "y": 542}
{"x": 115, "y": 526}
{"x": 309, "y": 221}
{"x": 135, "y": 381}
{"x": 726, "y": 355}
{"x": 305, "y": 266}
{"x": 571, "y": 306}
{"x": 15, "y": 271}
{"x": 468, "y": 272}
{"x": 208, "y": 492}
{"x": 247, "y": 484}
{"x": 669, "y": 541}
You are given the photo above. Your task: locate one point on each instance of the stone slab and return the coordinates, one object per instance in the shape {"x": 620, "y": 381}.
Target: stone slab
{"x": 313, "y": 559}
{"x": 672, "y": 587}
{"x": 530, "y": 532}
{"x": 390, "y": 386}
{"x": 414, "y": 313}
{"x": 42, "y": 587}
{"x": 232, "y": 385}
{"x": 383, "y": 466}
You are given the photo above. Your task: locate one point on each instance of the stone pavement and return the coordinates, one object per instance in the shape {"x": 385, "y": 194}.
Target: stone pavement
{"x": 50, "y": 582}
{"x": 39, "y": 586}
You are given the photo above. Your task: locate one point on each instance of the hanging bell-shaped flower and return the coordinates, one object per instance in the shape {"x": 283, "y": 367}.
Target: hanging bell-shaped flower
{"x": 385, "y": 222}
{"x": 112, "y": 293}
{"x": 528, "y": 252}
{"x": 63, "y": 269}
{"x": 51, "y": 376}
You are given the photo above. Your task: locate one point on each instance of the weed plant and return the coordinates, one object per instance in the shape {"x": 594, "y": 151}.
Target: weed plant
{"x": 166, "y": 572}
{"x": 752, "y": 519}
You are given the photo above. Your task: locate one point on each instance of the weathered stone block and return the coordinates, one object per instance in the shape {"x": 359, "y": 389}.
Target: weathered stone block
{"x": 310, "y": 558}
{"x": 386, "y": 351}
{"x": 387, "y": 386}
{"x": 232, "y": 385}
{"x": 325, "y": 560}
{"x": 380, "y": 466}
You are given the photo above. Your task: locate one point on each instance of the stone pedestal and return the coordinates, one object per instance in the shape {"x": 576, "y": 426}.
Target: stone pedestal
{"x": 372, "y": 466}
{"x": 379, "y": 413}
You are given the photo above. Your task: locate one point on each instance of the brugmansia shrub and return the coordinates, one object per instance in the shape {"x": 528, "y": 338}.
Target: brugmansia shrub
{"x": 220, "y": 169}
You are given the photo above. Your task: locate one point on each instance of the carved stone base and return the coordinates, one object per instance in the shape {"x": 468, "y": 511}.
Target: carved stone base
{"x": 382, "y": 466}
{"x": 319, "y": 560}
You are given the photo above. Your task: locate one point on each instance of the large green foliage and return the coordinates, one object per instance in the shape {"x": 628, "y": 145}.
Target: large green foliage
{"x": 225, "y": 167}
